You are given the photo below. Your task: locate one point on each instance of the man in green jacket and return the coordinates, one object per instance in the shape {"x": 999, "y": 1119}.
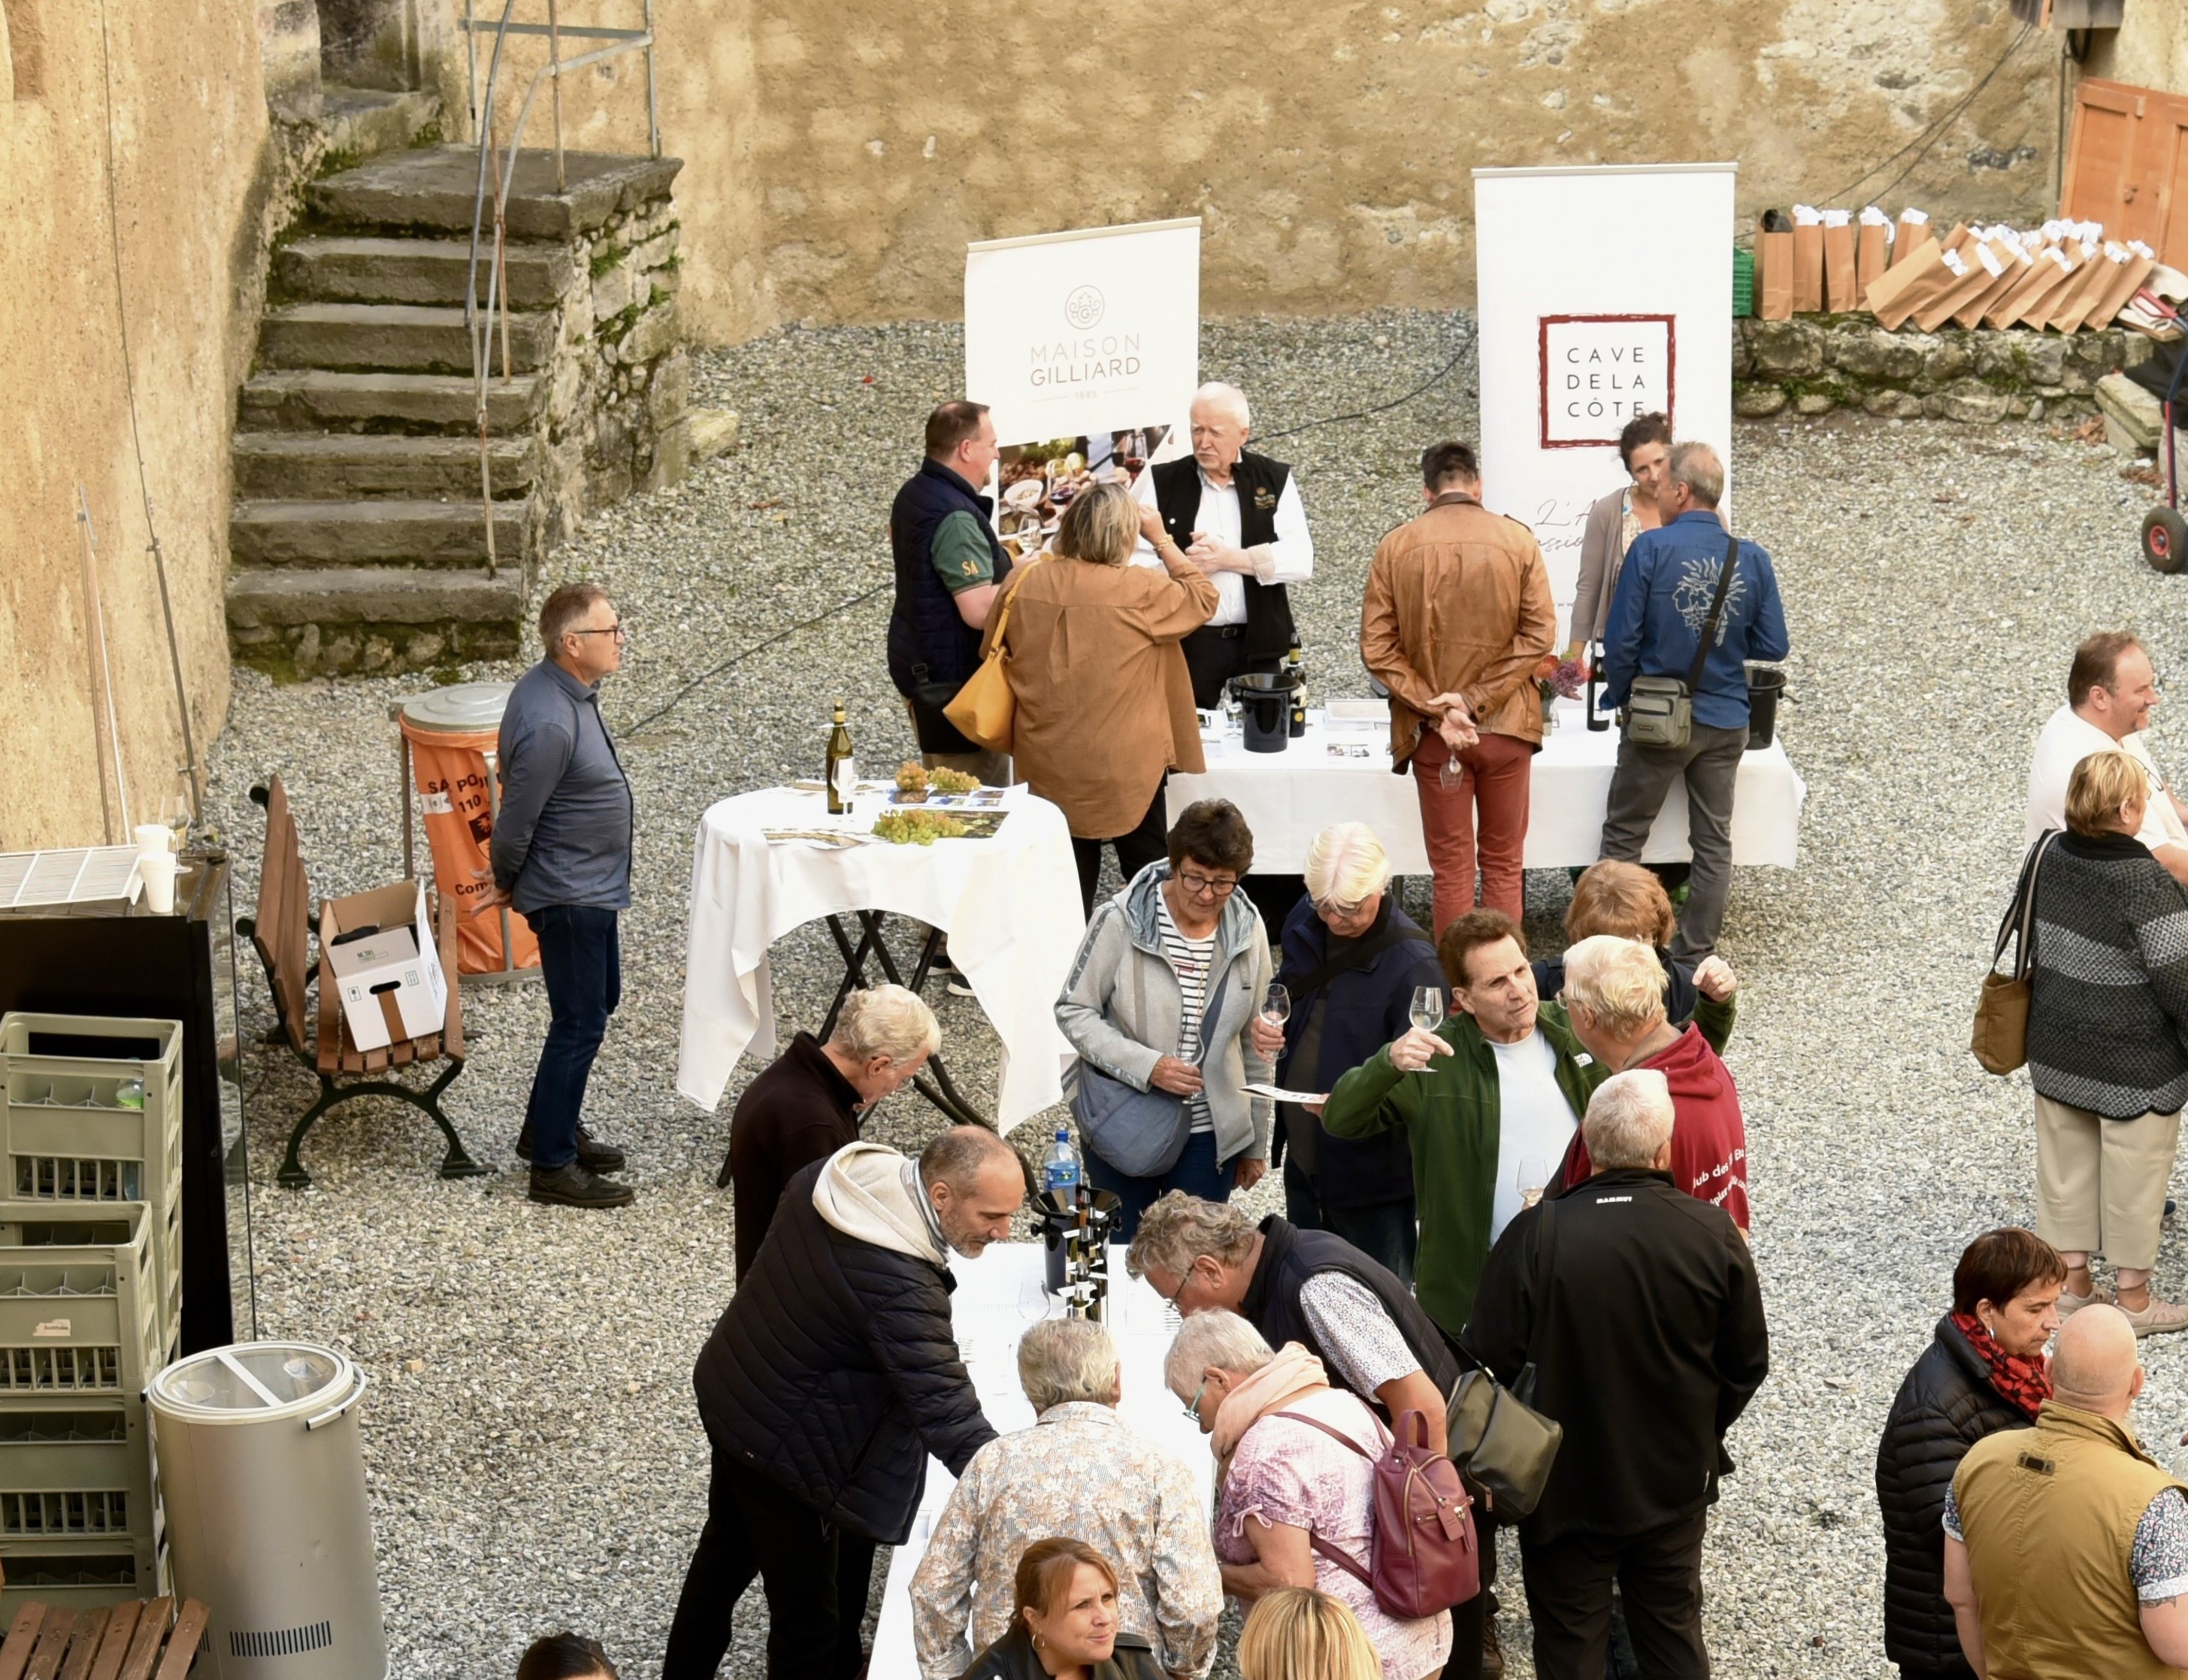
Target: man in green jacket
{"x": 1489, "y": 1101}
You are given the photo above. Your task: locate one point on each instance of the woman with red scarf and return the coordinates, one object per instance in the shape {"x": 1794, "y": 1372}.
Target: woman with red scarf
{"x": 1986, "y": 1370}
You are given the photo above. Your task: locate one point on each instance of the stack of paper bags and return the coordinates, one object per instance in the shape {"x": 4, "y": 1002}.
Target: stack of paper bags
{"x": 2064, "y": 275}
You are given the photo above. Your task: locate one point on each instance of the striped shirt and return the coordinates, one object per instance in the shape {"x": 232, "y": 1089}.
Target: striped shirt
{"x": 1191, "y": 960}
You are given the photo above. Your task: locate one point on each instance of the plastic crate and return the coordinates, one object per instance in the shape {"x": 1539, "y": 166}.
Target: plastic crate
{"x": 1742, "y": 283}
{"x": 76, "y": 1470}
{"x": 83, "y": 1574}
{"x": 80, "y": 1299}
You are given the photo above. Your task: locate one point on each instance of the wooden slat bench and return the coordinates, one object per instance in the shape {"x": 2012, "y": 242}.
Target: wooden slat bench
{"x": 281, "y": 935}
{"x": 131, "y": 1641}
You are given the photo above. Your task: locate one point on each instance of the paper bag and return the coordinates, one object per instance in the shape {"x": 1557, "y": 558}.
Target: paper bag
{"x": 2140, "y": 260}
{"x": 1872, "y": 248}
{"x": 2046, "y": 274}
{"x": 1807, "y": 262}
{"x": 1773, "y": 276}
{"x": 1913, "y": 229}
{"x": 1842, "y": 289}
{"x": 2013, "y": 268}
{"x": 2075, "y": 300}
{"x": 1972, "y": 275}
{"x": 1897, "y": 293}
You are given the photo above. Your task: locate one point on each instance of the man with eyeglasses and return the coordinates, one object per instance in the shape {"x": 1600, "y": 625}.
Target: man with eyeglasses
{"x": 560, "y": 856}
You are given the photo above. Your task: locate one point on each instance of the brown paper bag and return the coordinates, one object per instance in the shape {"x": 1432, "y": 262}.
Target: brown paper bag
{"x": 1842, "y": 290}
{"x": 2122, "y": 291}
{"x": 2075, "y": 300}
{"x": 1976, "y": 280}
{"x": 2046, "y": 274}
{"x": 1889, "y": 300}
{"x": 1913, "y": 229}
{"x": 2012, "y": 270}
{"x": 1872, "y": 254}
{"x": 1808, "y": 270}
{"x": 1773, "y": 276}
{"x": 1960, "y": 238}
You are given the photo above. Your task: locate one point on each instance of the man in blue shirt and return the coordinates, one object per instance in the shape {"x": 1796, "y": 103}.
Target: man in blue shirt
{"x": 561, "y": 858}
{"x": 1665, "y": 591}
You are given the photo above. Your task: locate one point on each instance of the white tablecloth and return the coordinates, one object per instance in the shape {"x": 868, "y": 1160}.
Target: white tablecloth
{"x": 1010, "y": 905}
{"x": 998, "y": 1295}
{"x": 1288, "y": 798}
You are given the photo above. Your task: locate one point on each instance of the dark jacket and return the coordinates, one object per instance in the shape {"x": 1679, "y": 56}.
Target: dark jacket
{"x": 1012, "y": 1657}
{"x": 563, "y": 834}
{"x": 928, "y": 641}
{"x": 1260, "y": 482}
{"x": 1289, "y": 1256}
{"x": 835, "y": 1372}
{"x": 800, "y": 1110}
{"x": 1945, "y": 1406}
{"x": 2108, "y": 998}
{"x": 1648, "y": 1340}
{"x": 1362, "y": 1009}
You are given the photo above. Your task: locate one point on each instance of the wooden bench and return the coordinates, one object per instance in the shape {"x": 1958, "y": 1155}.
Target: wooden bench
{"x": 281, "y": 935}
{"x": 114, "y": 1642}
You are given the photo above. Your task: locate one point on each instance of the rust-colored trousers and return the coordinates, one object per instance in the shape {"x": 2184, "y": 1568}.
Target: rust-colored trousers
{"x": 1486, "y": 813}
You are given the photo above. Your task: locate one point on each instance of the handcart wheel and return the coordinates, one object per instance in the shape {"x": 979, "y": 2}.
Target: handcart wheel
{"x": 2165, "y": 539}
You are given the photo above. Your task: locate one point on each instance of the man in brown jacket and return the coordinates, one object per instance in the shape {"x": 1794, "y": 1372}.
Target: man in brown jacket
{"x": 1457, "y": 615}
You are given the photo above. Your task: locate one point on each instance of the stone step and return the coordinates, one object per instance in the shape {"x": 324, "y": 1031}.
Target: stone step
{"x": 323, "y": 466}
{"x": 310, "y": 399}
{"x": 366, "y": 270}
{"x": 393, "y": 337}
{"x": 413, "y": 533}
{"x": 436, "y": 186}
{"x": 363, "y": 594}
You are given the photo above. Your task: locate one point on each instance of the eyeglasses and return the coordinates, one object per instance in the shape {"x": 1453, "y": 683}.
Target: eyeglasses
{"x": 1193, "y": 1409}
{"x": 1184, "y": 1278}
{"x": 1206, "y": 886}
{"x": 615, "y": 629}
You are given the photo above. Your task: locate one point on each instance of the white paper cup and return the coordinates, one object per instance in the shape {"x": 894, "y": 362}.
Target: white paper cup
{"x": 158, "y": 871}
{"x": 153, "y": 837}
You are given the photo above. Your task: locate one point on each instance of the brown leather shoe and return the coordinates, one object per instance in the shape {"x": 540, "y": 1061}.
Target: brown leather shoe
{"x": 1492, "y": 1658}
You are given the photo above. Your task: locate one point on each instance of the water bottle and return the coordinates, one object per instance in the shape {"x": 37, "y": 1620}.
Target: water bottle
{"x": 129, "y": 1094}
{"x": 1059, "y": 1167}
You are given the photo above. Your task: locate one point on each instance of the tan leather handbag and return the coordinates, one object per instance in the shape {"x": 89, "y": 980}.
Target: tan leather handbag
{"x": 985, "y": 709}
{"x": 2001, "y": 1035}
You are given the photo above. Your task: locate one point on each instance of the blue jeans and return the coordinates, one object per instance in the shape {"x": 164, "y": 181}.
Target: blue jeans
{"x": 581, "y": 962}
{"x": 1386, "y": 1233}
{"x": 1196, "y": 1172}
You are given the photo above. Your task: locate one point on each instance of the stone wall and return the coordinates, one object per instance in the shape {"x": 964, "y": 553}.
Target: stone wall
{"x": 620, "y": 375}
{"x": 1814, "y": 364}
{"x": 839, "y": 154}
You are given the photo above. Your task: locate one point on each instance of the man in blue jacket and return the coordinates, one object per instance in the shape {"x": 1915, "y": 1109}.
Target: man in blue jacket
{"x": 1665, "y": 591}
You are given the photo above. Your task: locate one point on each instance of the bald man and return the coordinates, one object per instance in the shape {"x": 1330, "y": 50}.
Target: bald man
{"x": 1238, "y": 517}
{"x": 2066, "y": 1545}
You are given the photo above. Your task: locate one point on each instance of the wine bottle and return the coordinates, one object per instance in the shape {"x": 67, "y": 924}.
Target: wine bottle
{"x": 841, "y": 774}
{"x": 1296, "y": 668}
{"x": 1596, "y": 720}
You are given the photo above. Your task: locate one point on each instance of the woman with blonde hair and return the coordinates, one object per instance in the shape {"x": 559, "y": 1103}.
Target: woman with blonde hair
{"x": 1297, "y": 1633}
{"x": 2107, "y": 1007}
{"x": 1104, "y": 701}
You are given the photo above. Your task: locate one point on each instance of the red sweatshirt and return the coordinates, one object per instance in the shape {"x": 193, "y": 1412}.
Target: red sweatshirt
{"x": 1709, "y": 1138}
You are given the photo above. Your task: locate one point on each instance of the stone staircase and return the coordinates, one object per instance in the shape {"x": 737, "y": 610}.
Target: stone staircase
{"x": 358, "y": 537}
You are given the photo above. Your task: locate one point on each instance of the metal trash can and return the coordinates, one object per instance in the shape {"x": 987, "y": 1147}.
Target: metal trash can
{"x": 261, "y": 1471}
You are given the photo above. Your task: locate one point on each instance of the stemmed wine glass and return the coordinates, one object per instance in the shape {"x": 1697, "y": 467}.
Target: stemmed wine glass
{"x": 1427, "y": 1012}
{"x": 1276, "y": 1005}
{"x": 1531, "y": 1178}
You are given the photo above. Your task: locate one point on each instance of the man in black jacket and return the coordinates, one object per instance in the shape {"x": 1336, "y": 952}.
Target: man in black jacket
{"x": 1639, "y": 1308}
{"x": 826, "y": 1386}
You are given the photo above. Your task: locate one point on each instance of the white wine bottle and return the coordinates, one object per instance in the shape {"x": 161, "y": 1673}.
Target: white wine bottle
{"x": 841, "y": 774}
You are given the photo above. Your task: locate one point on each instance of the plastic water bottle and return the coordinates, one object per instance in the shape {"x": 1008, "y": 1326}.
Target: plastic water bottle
{"x": 129, "y": 1094}
{"x": 1059, "y": 1167}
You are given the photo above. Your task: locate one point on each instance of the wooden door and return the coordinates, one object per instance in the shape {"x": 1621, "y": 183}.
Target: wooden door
{"x": 2126, "y": 165}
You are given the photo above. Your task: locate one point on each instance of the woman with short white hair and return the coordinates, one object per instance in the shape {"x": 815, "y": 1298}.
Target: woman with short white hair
{"x": 1284, "y": 1484}
{"x": 1351, "y": 961}
{"x": 1079, "y": 1471}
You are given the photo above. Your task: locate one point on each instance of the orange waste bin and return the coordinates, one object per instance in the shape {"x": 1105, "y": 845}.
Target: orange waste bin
{"x": 450, "y": 732}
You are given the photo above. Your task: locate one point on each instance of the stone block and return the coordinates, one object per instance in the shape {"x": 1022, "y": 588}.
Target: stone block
{"x": 2134, "y": 417}
{"x": 1888, "y": 404}
{"x": 612, "y": 289}
{"x": 1783, "y": 347}
{"x": 1743, "y": 363}
{"x": 1812, "y": 402}
{"x": 1949, "y": 360}
{"x": 654, "y": 334}
{"x": 1756, "y": 401}
{"x": 1969, "y": 401}
{"x": 670, "y": 390}
{"x": 1994, "y": 355}
{"x": 2042, "y": 356}
{"x": 1876, "y": 354}
{"x": 655, "y": 251}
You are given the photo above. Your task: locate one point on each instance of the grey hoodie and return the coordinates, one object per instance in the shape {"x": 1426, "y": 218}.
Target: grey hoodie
{"x": 1122, "y": 1009}
{"x": 873, "y": 1193}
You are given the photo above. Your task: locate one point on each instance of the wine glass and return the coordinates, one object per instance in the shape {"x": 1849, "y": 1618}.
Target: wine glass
{"x": 1276, "y": 1005}
{"x": 1451, "y": 774}
{"x": 1427, "y": 1012}
{"x": 1530, "y": 1178}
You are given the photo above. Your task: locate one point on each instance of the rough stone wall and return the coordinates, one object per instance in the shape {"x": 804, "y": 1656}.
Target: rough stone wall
{"x": 840, "y": 153}
{"x": 2150, "y": 49}
{"x": 188, "y": 151}
{"x": 621, "y": 375}
{"x": 1815, "y": 363}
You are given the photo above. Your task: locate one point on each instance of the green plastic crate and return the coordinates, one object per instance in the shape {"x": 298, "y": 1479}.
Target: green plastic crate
{"x": 1742, "y": 283}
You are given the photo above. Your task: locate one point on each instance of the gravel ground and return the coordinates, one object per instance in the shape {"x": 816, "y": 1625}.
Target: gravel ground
{"x": 535, "y": 1457}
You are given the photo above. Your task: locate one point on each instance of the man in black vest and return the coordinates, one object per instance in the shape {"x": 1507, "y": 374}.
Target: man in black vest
{"x": 1238, "y": 517}
{"x": 950, "y": 567}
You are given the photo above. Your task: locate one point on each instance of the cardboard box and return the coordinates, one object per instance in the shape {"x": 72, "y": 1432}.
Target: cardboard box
{"x": 390, "y": 982}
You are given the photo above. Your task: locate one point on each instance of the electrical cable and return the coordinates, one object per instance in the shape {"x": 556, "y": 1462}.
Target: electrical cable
{"x": 1929, "y": 136}
{"x": 136, "y": 437}
{"x": 1427, "y": 385}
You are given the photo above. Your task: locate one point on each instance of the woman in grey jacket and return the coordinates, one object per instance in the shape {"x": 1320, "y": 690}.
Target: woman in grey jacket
{"x": 1163, "y": 1006}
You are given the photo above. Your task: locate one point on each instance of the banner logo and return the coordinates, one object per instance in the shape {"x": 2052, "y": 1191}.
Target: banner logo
{"x": 1600, "y": 371}
{"x": 1084, "y": 308}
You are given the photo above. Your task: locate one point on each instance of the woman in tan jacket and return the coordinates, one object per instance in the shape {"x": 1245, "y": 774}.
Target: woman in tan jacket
{"x": 1104, "y": 702}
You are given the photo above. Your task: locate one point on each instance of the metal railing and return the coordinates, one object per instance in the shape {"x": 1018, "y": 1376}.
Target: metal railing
{"x": 502, "y": 180}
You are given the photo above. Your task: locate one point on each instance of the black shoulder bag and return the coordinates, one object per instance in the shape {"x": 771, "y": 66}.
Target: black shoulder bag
{"x": 1503, "y": 1444}
{"x": 1660, "y": 711}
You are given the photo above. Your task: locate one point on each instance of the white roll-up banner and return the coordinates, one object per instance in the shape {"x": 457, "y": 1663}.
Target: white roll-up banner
{"x": 1604, "y": 293}
{"x": 1086, "y": 346}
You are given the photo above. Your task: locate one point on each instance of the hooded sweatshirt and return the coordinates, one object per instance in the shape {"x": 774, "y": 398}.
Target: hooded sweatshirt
{"x": 871, "y": 1192}
{"x": 1709, "y": 1138}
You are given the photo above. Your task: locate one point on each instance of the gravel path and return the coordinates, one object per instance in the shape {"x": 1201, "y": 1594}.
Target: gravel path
{"x": 535, "y": 1456}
